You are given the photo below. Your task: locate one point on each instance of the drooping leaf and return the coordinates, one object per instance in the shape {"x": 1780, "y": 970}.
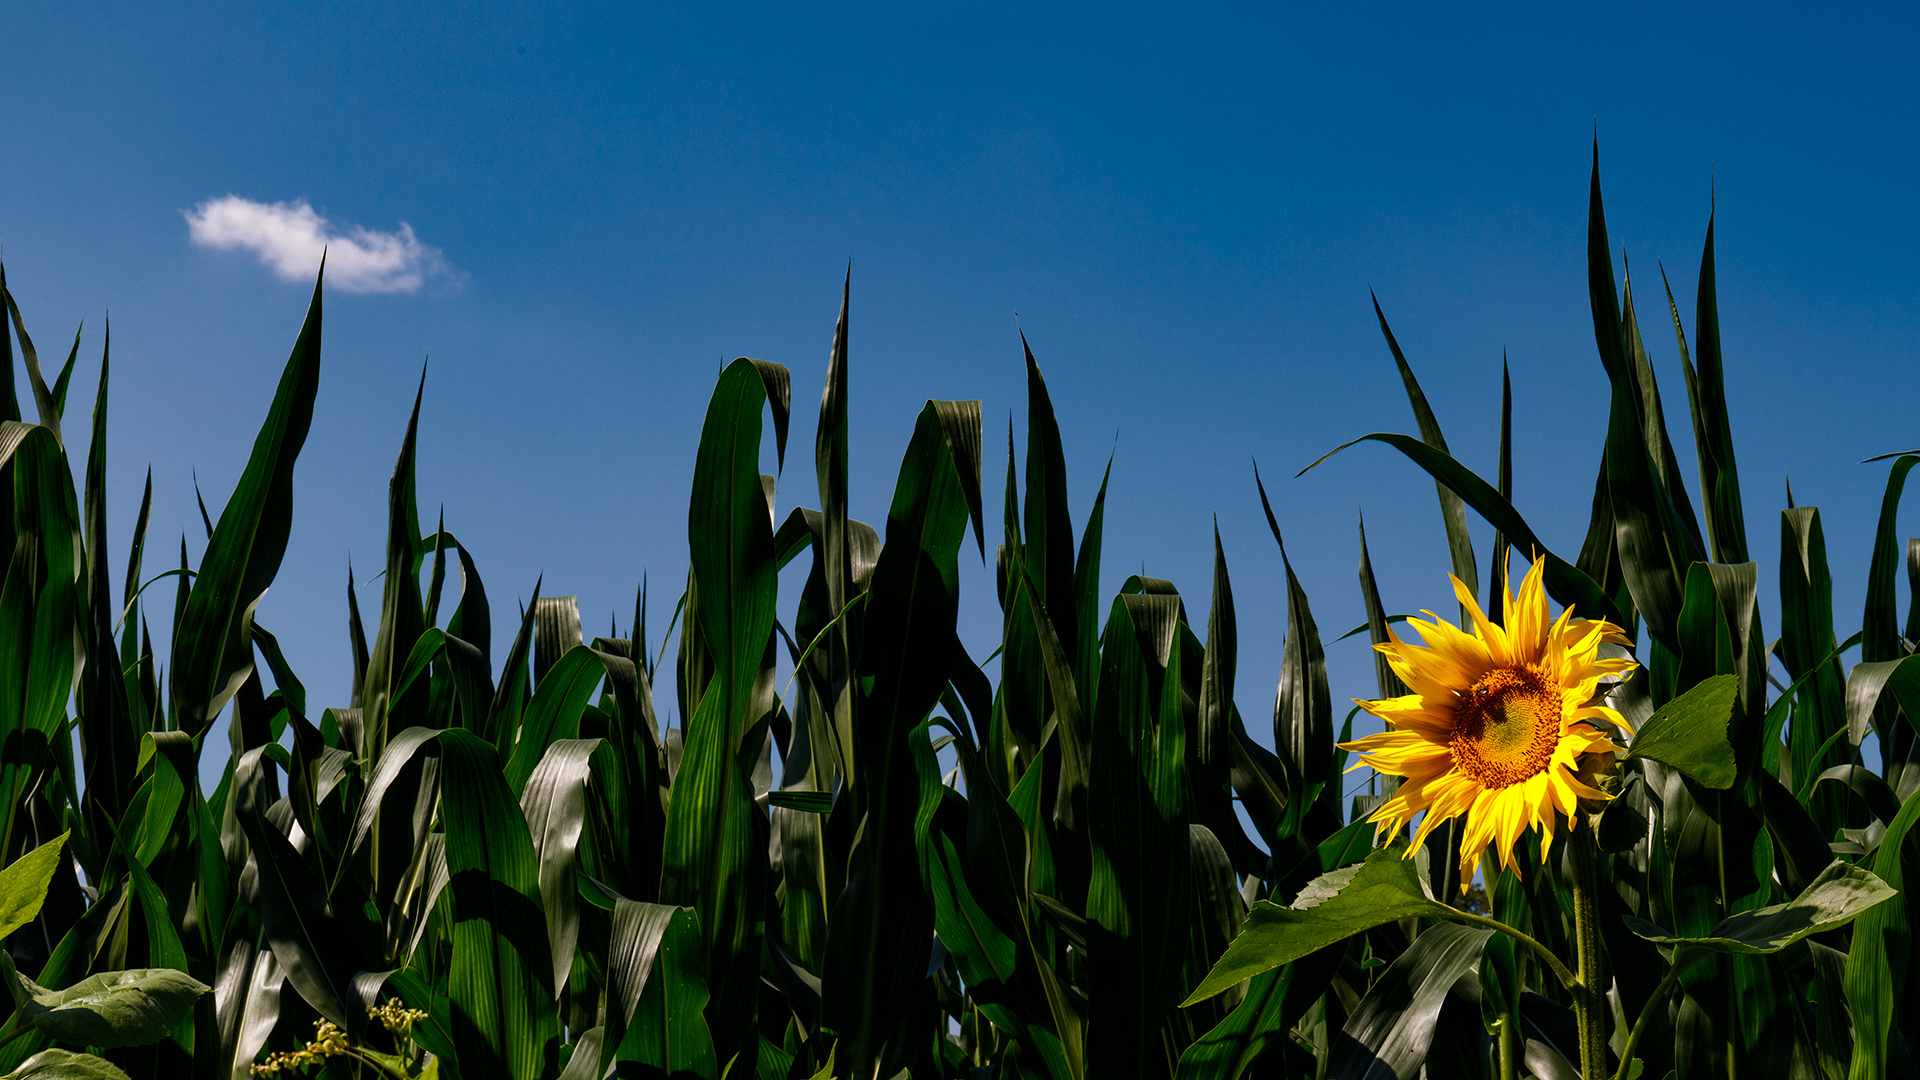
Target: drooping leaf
{"x": 1839, "y": 895}
{"x": 115, "y": 1008}
{"x": 1383, "y": 888}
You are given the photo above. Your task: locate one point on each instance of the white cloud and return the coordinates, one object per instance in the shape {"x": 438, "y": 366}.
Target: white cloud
{"x": 289, "y": 237}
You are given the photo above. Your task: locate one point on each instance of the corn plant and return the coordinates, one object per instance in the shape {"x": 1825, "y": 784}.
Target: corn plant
{"x": 840, "y": 848}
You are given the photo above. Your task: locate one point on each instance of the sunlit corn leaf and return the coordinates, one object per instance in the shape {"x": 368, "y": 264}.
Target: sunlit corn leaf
{"x": 1653, "y": 417}
{"x": 554, "y": 801}
{"x": 715, "y": 848}
{"x": 556, "y": 630}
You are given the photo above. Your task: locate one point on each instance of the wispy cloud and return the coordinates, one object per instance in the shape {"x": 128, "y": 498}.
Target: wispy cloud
{"x": 289, "y": 237}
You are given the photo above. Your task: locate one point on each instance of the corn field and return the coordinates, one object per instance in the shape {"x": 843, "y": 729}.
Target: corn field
{"x": 892, "y": 863}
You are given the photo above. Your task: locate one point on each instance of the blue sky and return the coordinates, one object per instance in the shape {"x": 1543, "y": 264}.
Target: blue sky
{"x": 1184, "y": 208}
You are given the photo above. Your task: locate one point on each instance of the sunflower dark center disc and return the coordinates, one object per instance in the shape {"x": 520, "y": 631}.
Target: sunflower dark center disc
{"x": 1506, "y": 726}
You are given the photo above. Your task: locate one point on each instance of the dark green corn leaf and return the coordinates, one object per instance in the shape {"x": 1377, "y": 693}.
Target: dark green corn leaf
{"x": 1337, "y": 905}
{"x": 1690, "y": 733}
{"x": 1071, "y": 719}
{"x": 1452, "y": 513}
{"x": 1568, "y": 584}
{"x": 1835, "y": 898}
{"x": 212, "y": 651}
{"x": 877, "y": 945}
{"x": 511, "y": 695}
{"x": 1393, "y": 1029}
{"x": 1140, "y": 898}
{"x": 39, "y": 605}
{"x": 1653, "y": 543}
{"x": 1497, "y": 566}
{"x": 1049, "y": 528}
{"x": 115, "y": 1008}
{"x": 1275, "y": 1001}
{"x": 64, "y": 380}
{"x": 714, "y": 853}
{"x": 985, "y": 948}
{"x": 555, "y": 712}
{"x": 1302, "y": 705}
{"x": 1712, "y": 427}
{"x": 1389, "y": 683}
{"x": 1086, "y": 581}
{"x": 500, "y": 979}
{"x": 385, "y": 709}
{"x": 23, "y": 884}
{"x": 42, "y": 396}
{"x": 1880, "y": 961}
{"x": 299, "y": 924}
{"x": 57, "y": 1064}
{"x": 806, "y": 802}
{"x": 1653, "y": 419}
{"x": 1873, "y": 791}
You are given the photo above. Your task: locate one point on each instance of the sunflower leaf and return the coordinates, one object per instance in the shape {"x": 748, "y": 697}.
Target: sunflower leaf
{"x": 1383, "y": 889}
{"x": 1690, "y": 733}
{"x": 115, "y": 1008}
{"x": 1833, "y": 899}
{"x": 57, "y": 1064}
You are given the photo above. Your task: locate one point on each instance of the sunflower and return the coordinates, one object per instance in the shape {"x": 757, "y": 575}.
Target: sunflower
{"x": 1496, "y": 723}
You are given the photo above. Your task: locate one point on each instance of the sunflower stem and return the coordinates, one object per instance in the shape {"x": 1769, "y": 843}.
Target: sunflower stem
{"x": 1588, "y": 995}
{"x": 1509, "y": 1047}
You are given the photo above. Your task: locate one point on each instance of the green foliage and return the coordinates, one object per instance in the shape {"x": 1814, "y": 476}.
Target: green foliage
{"x": 843, "y": 849}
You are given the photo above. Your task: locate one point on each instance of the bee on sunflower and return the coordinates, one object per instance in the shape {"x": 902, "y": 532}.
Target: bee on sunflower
{"x": 1497, "y": 722}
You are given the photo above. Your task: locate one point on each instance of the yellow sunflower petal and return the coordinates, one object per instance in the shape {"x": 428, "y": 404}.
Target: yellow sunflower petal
{"x": 1499, "y": 650}
{"x": 1526, "y": 613}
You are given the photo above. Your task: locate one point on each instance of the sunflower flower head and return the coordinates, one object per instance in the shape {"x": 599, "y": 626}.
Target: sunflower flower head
{"x": 1497, "y": 721}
